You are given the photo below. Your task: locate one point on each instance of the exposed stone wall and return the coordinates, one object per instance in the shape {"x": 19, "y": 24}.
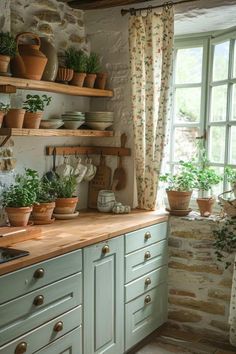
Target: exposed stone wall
{"x": 199, "y": 286}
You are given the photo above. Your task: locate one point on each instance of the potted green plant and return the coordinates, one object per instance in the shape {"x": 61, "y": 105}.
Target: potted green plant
{"x": 76, "y": 60}
{"x": 19, "y": 198}
{"x": 7, "y": 50}
{"x": 34, "y": 106}
{"x": 230, "y": 174}
{"x": 4, "y": 108}
{"x": 92, "y": 68}
{"x": 64, "y": 188}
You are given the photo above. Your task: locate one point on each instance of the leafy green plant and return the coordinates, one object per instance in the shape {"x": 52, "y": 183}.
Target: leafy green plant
{"x": 93, "y": 64}
{"x": 64, "y": 186}
{"x": 35, "y": 103}
{"x": 45, "y": 192}
{"x": 184, "y": 180}
{"x": 76, "y": 60}
{"x": 7, "y": 44}
{"x": 4, "y": 107}
{"x": 225, "y": 241}
{"x": 230, "y": 174}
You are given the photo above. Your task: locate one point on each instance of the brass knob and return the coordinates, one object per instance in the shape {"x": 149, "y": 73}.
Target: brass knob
{"x": 147, "y": 299}
{"x": 39, "y": 300}
{"x": 147, "y": 255}
{"x": 105, "y": 249}
{"x": 58, "y": 326}
{"x": 148, "y": 281}
{"x": 39, "y": 273}
{"x": 21, "y": 348}
{"x": 147, "y": 235}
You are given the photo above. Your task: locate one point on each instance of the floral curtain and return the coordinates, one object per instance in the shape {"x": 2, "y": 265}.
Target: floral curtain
{"x": 232, "y": 315}
{"x": 151, "y": 54}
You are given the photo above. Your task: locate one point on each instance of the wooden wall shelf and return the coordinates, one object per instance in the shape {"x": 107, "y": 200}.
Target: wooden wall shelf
{"x": 88, "y": 150}
{"x": 26, "y": 84}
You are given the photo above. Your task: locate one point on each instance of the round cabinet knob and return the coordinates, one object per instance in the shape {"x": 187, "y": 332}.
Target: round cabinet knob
{"x": 147, "y": 299}
{"x": 58, "y": 326}
{"x": 148, "y": 281}
{"x": 105, "y": 249}
{"x": 21, "y": 348}
{"x": 147, "y": 255}
{"x": 39, "y": 300}
{"x": 39, "y": 273}
{"x": 147, "y": 235}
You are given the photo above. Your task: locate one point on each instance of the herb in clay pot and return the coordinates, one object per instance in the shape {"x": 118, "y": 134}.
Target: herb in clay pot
{"x": 92, "y": 68}
{"x": 65, "y": 188}
{"x": 45, "y": 202}
{"x": 34, "y": 106}
{"x": 76, "y": 60}
{"x": 7, "y": 50}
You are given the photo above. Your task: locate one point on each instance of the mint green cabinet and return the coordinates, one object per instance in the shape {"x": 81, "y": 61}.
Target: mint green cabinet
{"x": 104, "y": 297}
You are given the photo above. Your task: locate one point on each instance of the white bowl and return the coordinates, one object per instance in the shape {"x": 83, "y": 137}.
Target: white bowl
{"x": 72, "y": 124}
{"x": 50, "y": 124}
{"x": 99, "y": 125}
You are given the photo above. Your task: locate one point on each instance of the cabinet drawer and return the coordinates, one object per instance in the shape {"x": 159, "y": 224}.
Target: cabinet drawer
{"x": 146, "y": 260}
{"x": 27, "y": 312}
{"x": 144, "y": 237}
{"x": 144, "y": 314}
{"x": 34, "y": 277}
{"x": 145, "y": 283}
{"x": 45, "y": 334}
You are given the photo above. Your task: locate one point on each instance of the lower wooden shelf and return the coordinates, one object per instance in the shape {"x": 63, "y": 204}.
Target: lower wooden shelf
{"x": 55, "y": 132}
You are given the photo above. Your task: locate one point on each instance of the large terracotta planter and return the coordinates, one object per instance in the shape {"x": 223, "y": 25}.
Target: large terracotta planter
{"x": 66, "y": 205}
{"x": 4, "y": 62}
{"x": 18, "y": 216}
{"x": 64, "y": 75}
{"x": 78, "y": 79}
{"x": 101, "y": 81}
{"x": 50, "y": 71}
{"x": 205, "y": 206}
{"x": 42, "y": 213}
{"x": 32, "y": 120}
{"x": 14, "y": 118}
{"x": 179, "y": 200}
{"x": 1, "y": 117}
{"x": 90, "y": 80}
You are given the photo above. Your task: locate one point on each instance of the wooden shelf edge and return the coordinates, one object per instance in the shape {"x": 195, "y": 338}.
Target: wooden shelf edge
{"x": 55, "y": 132}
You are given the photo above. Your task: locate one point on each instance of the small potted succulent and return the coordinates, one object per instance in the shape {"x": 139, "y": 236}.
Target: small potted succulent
{"x": 76, "y": 60}
{"x": 92, "y": 68}
{"x": 19, "y": 198}
{"x": 230, "y": 174}
{"x": 4, "y": 108}
{"x": 7, "y": 50}
{"x": 34, "y": 106}
{"x": 65, "y": 188}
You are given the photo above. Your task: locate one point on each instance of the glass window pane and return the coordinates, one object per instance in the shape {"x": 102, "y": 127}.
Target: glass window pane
{"x": 217, "y": 144}
{"x": 189, "y": 65}
{"x": 221, "y": 61}
{"x": 217, "y": 189}
{"x": 234, "y": 103}
{"x": 218, "y": 103}
{"x": 233, "y": 145}
{"x": 185, "y": 143}
{"x": 187, "y": 104}
{"x": 234, "y": 74}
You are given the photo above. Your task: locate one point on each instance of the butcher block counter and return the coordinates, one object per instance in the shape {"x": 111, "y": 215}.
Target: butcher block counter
{"x": 69, "y": 235}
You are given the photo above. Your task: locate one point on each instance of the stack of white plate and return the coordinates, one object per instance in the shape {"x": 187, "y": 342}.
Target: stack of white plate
{"x": 73, "y": 119}
{"x": 99, "y": 120}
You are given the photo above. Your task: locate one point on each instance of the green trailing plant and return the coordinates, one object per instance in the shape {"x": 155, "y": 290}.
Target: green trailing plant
{"x": 7, "y": 44}
{"x": 184, "y": 180}
{"x": 93, "y": 64}
{"x": 35, "y": 103}
{"x": 230, "y": 174}
{"x": 76, "y": 60}
{"x": 64, "y": 186}
{"x": 4, "y": 107}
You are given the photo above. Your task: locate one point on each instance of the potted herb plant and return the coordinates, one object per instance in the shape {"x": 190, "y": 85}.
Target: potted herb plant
{"x": 34, "y": 106}
{"x": 230, "y": 174}
{"x": 45, "y": 202}
{"x": 19, "y": 198}
{"x": 3, "y": 110}
{"x": 92, "y": 68}
{"x": 65, "y": 187}
{"x": 76, "y": 60}
{"x": 7, "y": 50}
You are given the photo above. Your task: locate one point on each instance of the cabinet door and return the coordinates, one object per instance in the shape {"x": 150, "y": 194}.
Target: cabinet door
{"x": 104, "y": 297}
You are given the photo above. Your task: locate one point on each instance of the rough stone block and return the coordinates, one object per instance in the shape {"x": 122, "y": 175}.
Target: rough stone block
{"x": 45, "y": 28}
{"x": 204, "y": 306}
{"x": 74, "y": 38}
{"x": 174, "y": 242}
{"x": 184, "y": 316}
{"x": 181, "y": 254}
{"x": 48, "y": 16}
{"x": 200, "y": 268}
{"x": 218, "y": 294}
{"x": 181, "y": 292}
{"x": 220, "y": 325}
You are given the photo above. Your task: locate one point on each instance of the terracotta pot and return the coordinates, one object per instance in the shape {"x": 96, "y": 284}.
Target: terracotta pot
{"x": 18, "y": 216}
{"x": 179, "y": 200}
{"x": 64, "y": 75}
{"x": 50, "y": 71}
{"x": 90, "y": 80}
{"x": 32, "y": 120}
{"x": 4, "y": 62}
{"x": 205, "y": 206}
{"x": 14, "y": 118}
{"x": 2, "y": 114}
{"x": 66, "y": 205}
{"x": 30, "y": 62}
{"x": 101, "y": 81}
{"x": 43, "y": 212}
{"x": 78, "y": 79}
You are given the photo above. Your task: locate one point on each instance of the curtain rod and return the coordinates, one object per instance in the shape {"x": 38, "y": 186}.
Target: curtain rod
{"x": 167, "y": 4}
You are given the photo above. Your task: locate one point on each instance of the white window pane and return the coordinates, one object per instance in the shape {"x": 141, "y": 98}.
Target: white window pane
{"x": 234, "y": 74}
{"x": 221, "y": 61}
{"x": 218, "y": 103}
{"x": 234, "y": 103}
{"x": 187, "y": 104}
{"x": 185, "y": 143}
{"x": 217, "y": 189}
{"x": 189, "y": 65}
{"x": 233, "y": 145}
{"x": 217, "y": 144}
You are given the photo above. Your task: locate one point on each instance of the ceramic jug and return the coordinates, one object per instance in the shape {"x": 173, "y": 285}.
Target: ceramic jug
{"x": 106, "y": 200}
{"x": 50, "y": 71}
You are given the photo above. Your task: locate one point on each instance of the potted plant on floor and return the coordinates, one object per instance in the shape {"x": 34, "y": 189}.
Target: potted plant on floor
{"x": 92, "y": 68}
{"x": 34, "y": 106}
{"x": 7, "y": 50}
{"x": 19, "y": 198}
{"x": 4, "y": 108}
{"x": 65, "y": 188}
{"x": 230, "y": 174}
{"x": 76, "y": 60}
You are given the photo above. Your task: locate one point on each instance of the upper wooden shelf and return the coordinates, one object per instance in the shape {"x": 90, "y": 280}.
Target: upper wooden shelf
{"x": 55, "y": 132}
{"x": 54, "y": 87}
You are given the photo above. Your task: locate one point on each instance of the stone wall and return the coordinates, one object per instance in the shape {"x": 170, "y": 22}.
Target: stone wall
{"x": 199, "y": 286}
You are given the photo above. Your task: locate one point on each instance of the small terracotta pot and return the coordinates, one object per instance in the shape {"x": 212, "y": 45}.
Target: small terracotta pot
{"x": 90, "y": 80}
{"x": 66, "y": 205}
{"x": 64, "y": 75}
{"x": 179, "y": 200}
{"x": 32, "y": 120}
{"x": 205, "y": 206}
{"x": 18, "y": 216}
{"x": 78, "y": 79}
{"x": 14, "y": 118}
{"x": 43, "y": 212}
{"x": 4, "y": 62}
{"x": 101, "y": 81}
{"x": 1, "y": 117}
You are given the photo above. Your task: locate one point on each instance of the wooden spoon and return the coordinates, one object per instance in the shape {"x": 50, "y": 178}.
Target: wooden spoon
{"x": 119, "y": 176}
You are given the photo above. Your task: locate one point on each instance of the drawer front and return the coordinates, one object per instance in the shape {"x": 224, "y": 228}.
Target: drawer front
{"x": 145, "y": 283}
{"x": 71, "y": 343}
{"x": 144, "y": 314}
{"x": 145, "y": 237}
{"x": 34, "y": 277}
{"x": 28, "y": 312}
{"x": 146, "y": 260}
{"x": 45, "y": 334}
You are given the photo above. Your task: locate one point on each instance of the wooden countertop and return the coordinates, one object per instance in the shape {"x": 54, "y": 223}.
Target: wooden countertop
{"x": 68, "y": 235}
